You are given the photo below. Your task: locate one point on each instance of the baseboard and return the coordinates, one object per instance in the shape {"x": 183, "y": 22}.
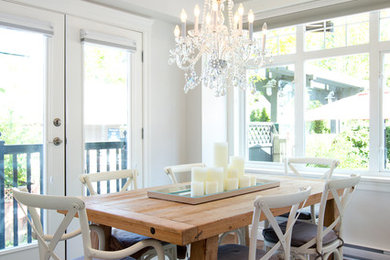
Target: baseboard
{"x": 364, "y": 253}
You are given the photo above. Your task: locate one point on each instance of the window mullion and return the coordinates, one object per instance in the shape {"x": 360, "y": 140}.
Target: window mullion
{"x": 299, "y": 94}
{"x": 376, "y": 129}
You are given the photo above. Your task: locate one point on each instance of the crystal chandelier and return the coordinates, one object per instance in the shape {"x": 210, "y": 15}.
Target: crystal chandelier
{"x": 227, "y": 50}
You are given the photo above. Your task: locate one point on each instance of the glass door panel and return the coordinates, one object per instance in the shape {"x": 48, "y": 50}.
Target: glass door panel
{"x": 29, "y": 99}
{"x": 106, "y": 110}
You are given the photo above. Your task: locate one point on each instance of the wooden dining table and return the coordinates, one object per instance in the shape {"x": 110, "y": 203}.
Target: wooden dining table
{"x": 198, "y": 225}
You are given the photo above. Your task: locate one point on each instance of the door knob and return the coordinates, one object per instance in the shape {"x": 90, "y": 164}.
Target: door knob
{"x": 56, "y": 141}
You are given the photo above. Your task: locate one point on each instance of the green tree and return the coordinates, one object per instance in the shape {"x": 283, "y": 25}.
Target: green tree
{"x": 257, "y": 116}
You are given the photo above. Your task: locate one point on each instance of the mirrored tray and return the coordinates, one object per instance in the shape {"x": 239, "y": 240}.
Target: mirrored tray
{"x": 182, "y": 192}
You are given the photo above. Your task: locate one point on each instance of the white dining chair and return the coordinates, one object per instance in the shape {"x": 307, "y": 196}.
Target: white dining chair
{"x": 265, "y": 204}
{"x": 298, "y": 165}
{"x": 122, "y": 238}
{"x": 72, "y": 205}
{"x": 317, "y": 239}
{"x": 181, "y": 173}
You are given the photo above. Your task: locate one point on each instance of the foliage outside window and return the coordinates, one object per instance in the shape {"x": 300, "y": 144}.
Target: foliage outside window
{"x": 385, "y": 25}
{"x": 338, "y": 32}
{"x": 280, "y": 41}
{"x": 337, "y": 109}
{"x": 386, "y": 109}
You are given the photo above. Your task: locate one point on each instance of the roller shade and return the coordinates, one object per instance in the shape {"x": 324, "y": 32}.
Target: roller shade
{"x": 25, "y": 24}
{"x": 108, "y": 40}
{"x": 315, "y": 11}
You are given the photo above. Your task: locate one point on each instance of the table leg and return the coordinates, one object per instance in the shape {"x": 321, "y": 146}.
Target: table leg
{"x": 330, "y": 216}
{"x": 246, "y": 228}
{"x": 206, "y": 249}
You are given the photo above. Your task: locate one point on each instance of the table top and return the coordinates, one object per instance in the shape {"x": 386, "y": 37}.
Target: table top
{"x": 180, "y": 223}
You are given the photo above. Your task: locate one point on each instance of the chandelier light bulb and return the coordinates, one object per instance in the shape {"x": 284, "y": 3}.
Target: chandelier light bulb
{"x": 215, "y": 6}
{"x": 264, "y": 28}
{"x": 236, "y": 19}
{"x": 197, "y": 11}
{"x": 251, "y": 16}
{"x": 183, "y": 16}
{"x": 177, "y": 31}
{"x": 208, "y": 19}
{"x": 241, "y": 10}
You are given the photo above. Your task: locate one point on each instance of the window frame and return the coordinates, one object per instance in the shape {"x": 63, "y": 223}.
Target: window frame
{"x": 375, "y": 49}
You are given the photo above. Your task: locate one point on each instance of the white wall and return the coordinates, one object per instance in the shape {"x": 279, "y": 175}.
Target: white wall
{"x": 167, "y": 106}
{"x": 194, "y": 125}
{"x": 367, "y": 218}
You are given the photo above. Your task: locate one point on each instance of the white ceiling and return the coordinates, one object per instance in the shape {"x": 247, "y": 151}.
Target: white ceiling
{"x": 169, "y": 10}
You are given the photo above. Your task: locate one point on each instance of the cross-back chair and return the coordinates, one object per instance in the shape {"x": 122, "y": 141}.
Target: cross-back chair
{"x": 318, "y": 239}
{"x": 264, "y": 205}
{"x": 121, "y": 238}
{"x": 329, "y": 166}
{"x": 72, "y": 205}
{"x": 182, "y": 172}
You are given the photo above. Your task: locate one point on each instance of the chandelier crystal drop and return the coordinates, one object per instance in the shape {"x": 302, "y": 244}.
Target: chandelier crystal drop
{"x": 226, "y": 51}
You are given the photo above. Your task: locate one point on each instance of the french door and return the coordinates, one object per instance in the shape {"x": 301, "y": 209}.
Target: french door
{"x": 31, "y": 119}
{"x": 104, "y": 104}
{"x": 70, "y": 103}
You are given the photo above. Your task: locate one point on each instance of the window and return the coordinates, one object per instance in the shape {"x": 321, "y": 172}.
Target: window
{"x": 337, "y": 109}
{"x": 270, "y": 114}
{"x": 386, "y": 109}
{"x": 280, "y": 41}
{"x": 319, "y": 103}
{"x": 385, "y": 25}
{"x": 339, "y": 32}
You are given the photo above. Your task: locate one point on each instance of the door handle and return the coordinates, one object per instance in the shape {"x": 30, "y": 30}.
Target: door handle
{"x": 56, "y": 141}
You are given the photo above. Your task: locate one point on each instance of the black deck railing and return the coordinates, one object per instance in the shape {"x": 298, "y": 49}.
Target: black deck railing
{"x": 18, "y": 152}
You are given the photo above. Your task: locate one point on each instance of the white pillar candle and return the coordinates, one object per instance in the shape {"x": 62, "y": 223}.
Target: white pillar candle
{"x": 231, "y": 184}
{"x": 238, "y": 163}
{"x": 211, "y": 187}
{"x": 217, "y": 175}
{"x": 253, "y": 180}
{"x": 232, "y": 172}
{"x": 221, "y": 155}
{"x": 244, "y": 181}
{"x": 197, "y": 188}
{"x": 199, "y": 174}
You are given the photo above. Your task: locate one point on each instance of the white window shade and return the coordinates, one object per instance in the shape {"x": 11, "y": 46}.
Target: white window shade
{"x": 25, "y": 24}
{"x": 108, "y": 40}
{"x": 315, "y": 11}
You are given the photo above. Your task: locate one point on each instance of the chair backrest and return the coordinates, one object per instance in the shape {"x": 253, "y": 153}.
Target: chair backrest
{"x": 129, "y": 175}
{"x": 265, "y": 204}
{"x": 181, "y": 173}
{"x": 331, "y": 164}
{"x": 47, "y": 243}
{"x": 341, "y": 190}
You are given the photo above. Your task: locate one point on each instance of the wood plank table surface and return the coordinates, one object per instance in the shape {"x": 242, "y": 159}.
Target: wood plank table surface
{"x": 182, "y": 224}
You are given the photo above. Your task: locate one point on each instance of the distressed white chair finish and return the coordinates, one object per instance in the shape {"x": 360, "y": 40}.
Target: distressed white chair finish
{"x": 326, "y": 240}
{"x": 129, "y": 175}
{"x": 331, "y": 165}
{"x": 264, "y": 204}
{"x": 131, "y": 181}
{"x": 73, "y": 205}
{"x": 181, "y": 173}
